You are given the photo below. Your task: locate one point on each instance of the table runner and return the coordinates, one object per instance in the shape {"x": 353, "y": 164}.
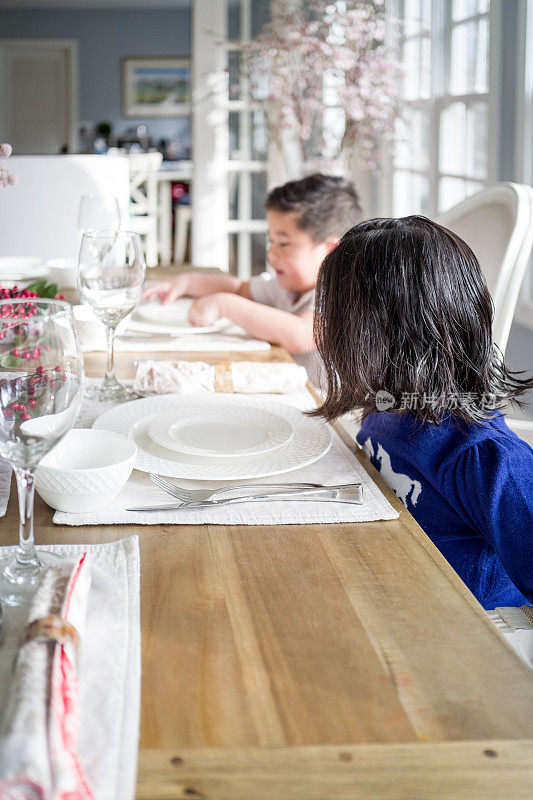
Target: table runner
{"x": 339, "y": 465}
{"x": 109, "y": 666}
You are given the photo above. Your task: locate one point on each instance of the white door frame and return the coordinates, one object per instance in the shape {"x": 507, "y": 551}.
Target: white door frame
{"x": 209, "y": 135}
{"x": 70, "y": 46}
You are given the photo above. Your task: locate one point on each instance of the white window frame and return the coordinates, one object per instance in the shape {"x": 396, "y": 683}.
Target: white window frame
{"x": 441, "y": 25}
{"x": 524, "y": 138}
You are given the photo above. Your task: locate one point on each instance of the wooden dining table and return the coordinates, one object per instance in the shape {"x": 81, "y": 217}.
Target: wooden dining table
{"x": 314, "y": 662}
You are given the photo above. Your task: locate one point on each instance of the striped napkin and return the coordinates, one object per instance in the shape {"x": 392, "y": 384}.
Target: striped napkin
{"x": 38, "y": 755}
{"x": 100, "y": 760}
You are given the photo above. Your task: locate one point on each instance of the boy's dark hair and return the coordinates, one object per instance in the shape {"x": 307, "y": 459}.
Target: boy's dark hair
{"x": 402, "y": 307}
{"x": 326, "y": 205}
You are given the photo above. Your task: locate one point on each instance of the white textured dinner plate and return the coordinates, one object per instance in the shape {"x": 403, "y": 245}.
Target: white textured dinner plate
{"x": 22, "y": 268}
{"x": 211, "y": 430}
{"x": 311, "y": 440}
{"x": 157, "y": 318}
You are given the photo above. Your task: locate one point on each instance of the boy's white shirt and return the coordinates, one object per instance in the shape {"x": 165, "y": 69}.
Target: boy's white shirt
{"x": 265, "y": 289}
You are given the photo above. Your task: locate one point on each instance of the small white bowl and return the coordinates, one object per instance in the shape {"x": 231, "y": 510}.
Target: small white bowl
{"x": 86, "y": 470}
{"x": 63, "y": 271}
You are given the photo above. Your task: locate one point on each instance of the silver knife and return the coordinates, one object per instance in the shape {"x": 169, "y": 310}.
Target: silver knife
{"x": 307, "y": 495}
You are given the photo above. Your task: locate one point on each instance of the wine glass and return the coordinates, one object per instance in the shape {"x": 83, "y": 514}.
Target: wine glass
{"x": 110, "y": 279}
{"x": 97, "y": 213}
{"x": 40, "y": 395}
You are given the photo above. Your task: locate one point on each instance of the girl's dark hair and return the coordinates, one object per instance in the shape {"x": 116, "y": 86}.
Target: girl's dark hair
{"x": 326, "y": 205}
{"x": 402, "y": 308}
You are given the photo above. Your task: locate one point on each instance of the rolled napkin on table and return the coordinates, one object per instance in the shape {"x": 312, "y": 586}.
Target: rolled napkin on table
{"x": 38, "y": 755}
{"x": 189, "y": 377}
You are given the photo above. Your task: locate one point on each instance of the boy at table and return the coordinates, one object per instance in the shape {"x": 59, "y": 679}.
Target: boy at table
{"x": 306, "y": 219}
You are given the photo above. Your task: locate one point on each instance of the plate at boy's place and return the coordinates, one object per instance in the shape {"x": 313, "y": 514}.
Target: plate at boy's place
{"x": 156, "y": 317}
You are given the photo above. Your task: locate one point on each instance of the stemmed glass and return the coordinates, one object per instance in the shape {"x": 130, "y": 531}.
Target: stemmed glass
{"x": 110, "y": 279}
{"x": 41, "y": 372}
{"x": 97, "y": 213}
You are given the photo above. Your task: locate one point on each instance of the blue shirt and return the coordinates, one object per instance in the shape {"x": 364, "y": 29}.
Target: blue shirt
{"x": 471, "y": 489}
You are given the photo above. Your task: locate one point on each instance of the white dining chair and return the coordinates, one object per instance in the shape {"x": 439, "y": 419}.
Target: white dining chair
{"x": 38, "y": 216}
{"x": 143, "y": 168}
{"x": 497, "y": 223}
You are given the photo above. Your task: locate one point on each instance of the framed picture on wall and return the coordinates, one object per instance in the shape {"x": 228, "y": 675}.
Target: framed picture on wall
{"x": 156, "y": 87}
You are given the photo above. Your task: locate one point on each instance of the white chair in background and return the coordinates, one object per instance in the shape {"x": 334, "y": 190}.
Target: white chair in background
{"x": 497, "y": 223}
{"x": 38, "y": 215}
{"x": 143, "y": 168}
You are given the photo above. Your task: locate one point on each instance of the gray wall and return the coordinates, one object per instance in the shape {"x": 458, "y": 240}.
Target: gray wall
{"x": 104, "y": 38}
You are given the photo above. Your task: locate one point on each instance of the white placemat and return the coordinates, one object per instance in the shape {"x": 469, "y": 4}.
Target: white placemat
{"x": 339, "y": 465}
{"x": 234, "y": 339}
{"x": 5, "y": 484}
{"x": 109, "y": 670}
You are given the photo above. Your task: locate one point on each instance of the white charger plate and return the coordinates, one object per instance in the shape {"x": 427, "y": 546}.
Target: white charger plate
{"x": 22, "y": 268}
{"x": 158, "y": 318}
{"x": 312, "y": 440}
{"x": 214, "y": 431}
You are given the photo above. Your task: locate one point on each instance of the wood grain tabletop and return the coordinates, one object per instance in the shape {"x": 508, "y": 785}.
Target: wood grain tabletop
{"x": 314, "y": 662}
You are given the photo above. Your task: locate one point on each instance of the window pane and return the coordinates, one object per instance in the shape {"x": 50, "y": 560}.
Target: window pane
{"x": 417, "y": 65}
{"x": 259, "y": 192}
{"x": 469, "y": 62}
{"x": 412, "y": 150}
{"x": 259, "y": 135}
{"x": 452, "y": 139}
{"x": 417, "y": 17}
{"x": 464, "y": 140}
{"x": 234, "y": 136}
{"x": 451, "y": 192}
{"x": 462, "y": 9}
{"x": 258, "y": 253}
{"x": 477, "y": 141}
{"x": 234, "y": 73}
{"x": 411, "y": 193}
{"x": 333, "y": 130}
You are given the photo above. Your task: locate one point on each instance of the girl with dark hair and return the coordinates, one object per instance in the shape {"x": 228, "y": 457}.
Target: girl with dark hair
{"x": 403, "y": 325}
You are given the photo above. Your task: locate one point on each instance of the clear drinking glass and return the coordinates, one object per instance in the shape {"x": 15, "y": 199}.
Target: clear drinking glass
{"x": 98, "y": 213}
{"x": 110, "y": 279}
{"x": 41, "y": 372}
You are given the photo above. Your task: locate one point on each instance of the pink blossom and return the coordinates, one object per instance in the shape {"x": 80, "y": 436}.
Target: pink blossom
{"x": 5, "y": 150}
{"x": 327, "y": 61}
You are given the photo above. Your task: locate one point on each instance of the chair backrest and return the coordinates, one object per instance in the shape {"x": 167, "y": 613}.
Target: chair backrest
{"x": 38, "y": 216}
{"x": 143, "y": 185}
{"x": 497, "y": 223}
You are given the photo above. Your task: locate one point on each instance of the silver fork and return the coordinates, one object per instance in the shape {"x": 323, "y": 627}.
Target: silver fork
{"x": 325, "y": 494}
{"x": 201, "y": 495}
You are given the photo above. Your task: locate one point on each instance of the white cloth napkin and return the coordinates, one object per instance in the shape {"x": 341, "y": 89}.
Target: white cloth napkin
{"x": 247, "y": 377}
{"x": 38, "y": 752}
{"x": 5, "y": 484}
{"x": 339, "y": 465}
{"x": 109, "y": 666}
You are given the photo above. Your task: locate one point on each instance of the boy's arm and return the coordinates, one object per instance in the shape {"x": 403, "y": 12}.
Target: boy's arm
{"x": 194, "y": 284}
{"x": 294, "y": 333}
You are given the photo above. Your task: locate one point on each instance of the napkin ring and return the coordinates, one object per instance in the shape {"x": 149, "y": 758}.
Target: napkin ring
{"x": 51, "y": 629}
{"x": 223, "y": 377}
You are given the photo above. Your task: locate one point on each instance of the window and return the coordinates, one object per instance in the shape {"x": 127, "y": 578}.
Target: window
{"x": 443, "y": 149}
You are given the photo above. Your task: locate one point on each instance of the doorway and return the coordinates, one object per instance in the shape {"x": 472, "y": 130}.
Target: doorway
{"x": 39, "y": 95}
